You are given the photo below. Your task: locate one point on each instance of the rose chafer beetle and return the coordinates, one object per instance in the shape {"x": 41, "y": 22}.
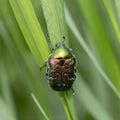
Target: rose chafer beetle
{"x": 61, "y": 68}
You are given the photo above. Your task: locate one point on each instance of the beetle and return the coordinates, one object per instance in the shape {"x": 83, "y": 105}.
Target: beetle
{"x": 61, "y": 68}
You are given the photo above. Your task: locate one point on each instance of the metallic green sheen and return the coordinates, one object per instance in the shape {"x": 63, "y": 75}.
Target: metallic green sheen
{"x": 62, "y": 52}
{"x": 61, "y": 68}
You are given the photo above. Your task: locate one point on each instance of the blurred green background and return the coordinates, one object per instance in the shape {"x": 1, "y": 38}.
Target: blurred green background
{"x": 96, "y": 90}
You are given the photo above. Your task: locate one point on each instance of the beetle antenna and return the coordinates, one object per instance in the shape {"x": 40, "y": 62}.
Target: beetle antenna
{"x": 50, "y": 44}
{"x": 63, "y": 40}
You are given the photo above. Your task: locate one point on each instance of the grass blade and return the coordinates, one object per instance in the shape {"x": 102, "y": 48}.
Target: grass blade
{"x": 112, "y": 18}
{"x": 66, "y": 106}
{"x": 90, "y": 102}
{"x": 31, "y": 29}
{"x": 117, "y": 4}
{"x": 39, "y": 106}
{"x": 5, "y": 112}
{"x": 55, "y": 20}
{"x": 88, "y": 51}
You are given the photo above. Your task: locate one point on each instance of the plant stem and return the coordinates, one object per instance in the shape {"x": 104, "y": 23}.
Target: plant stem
{"x": 66, "y": 106}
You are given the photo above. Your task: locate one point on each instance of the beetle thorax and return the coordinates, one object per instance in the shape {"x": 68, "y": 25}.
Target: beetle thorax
{"x": 62, "y": 52}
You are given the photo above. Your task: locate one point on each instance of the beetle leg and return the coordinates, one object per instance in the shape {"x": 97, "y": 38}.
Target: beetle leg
{"x": 73, "y": 91}
{"x": 43, "y": 66}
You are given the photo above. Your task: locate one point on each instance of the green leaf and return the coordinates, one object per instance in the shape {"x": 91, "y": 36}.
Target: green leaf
{"x": 111, "y": 79}
{"x": 31, "y": 29}
{"x": 5, "y": 112}
{"x": 39, "y": 106}
{"x": 89, "y": 101}
{"x": 112, "y": 17}
{"x": 117, "y": 4}
{"x": 55, "y": 20}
